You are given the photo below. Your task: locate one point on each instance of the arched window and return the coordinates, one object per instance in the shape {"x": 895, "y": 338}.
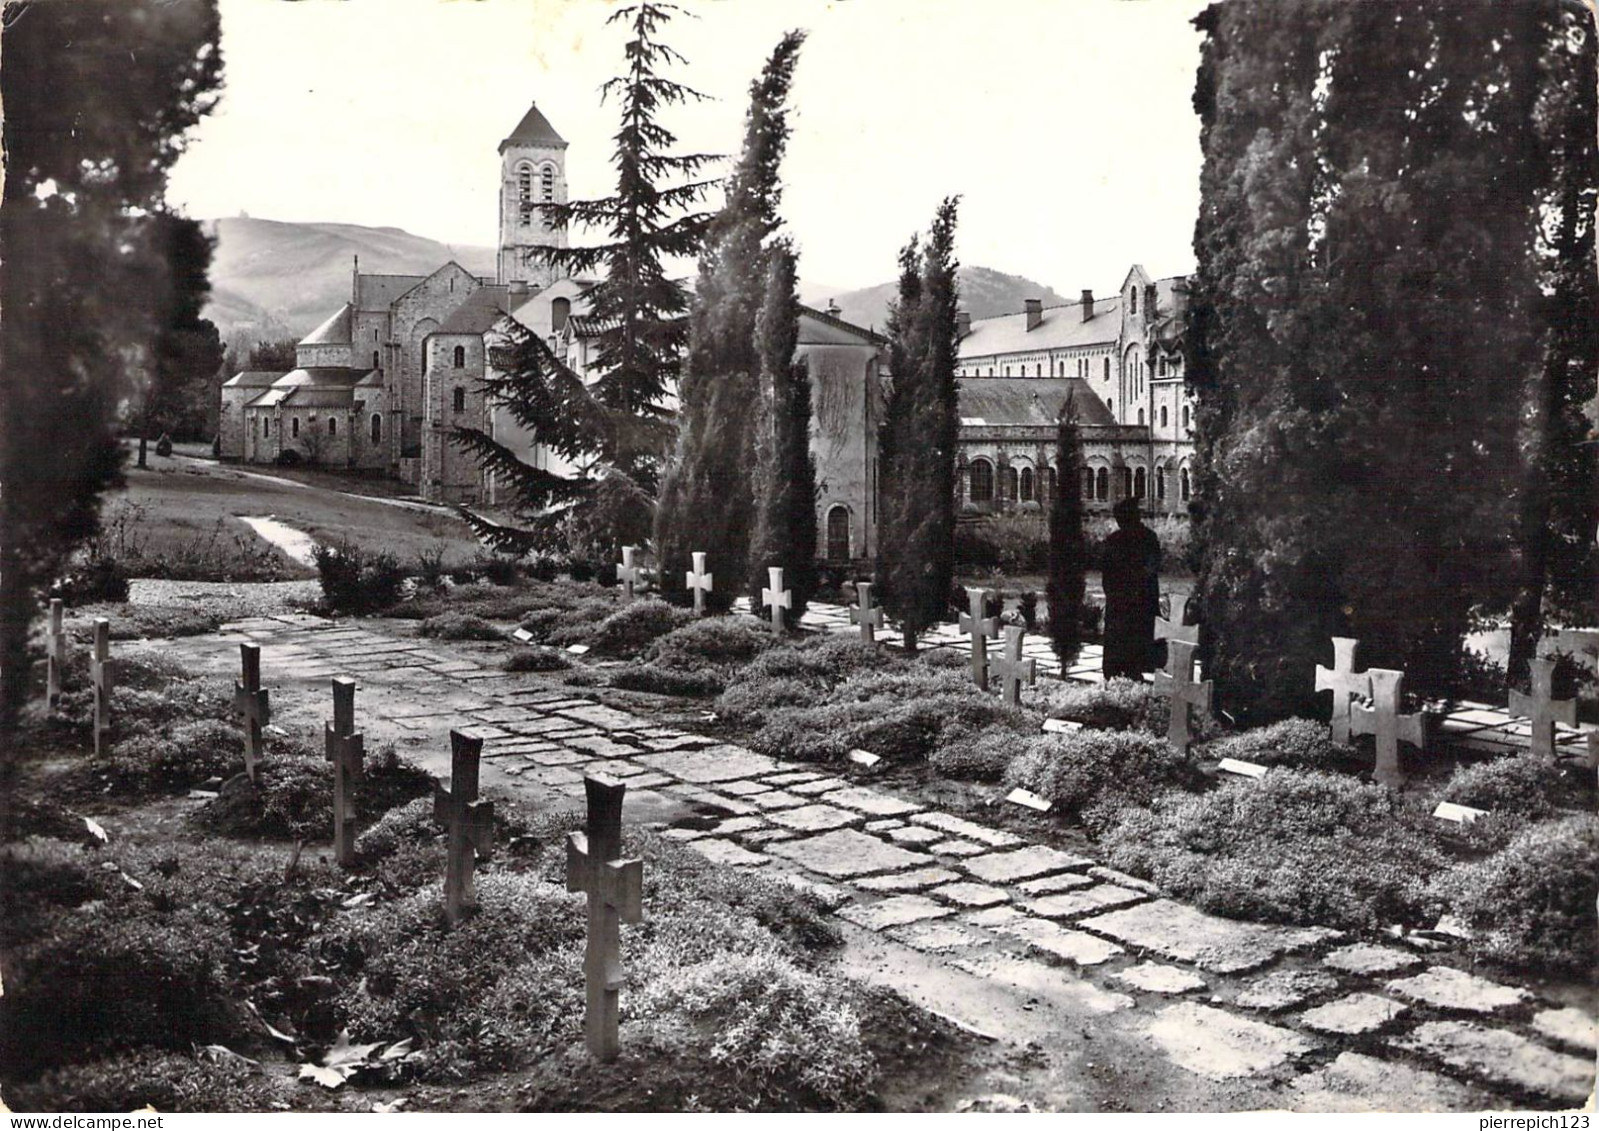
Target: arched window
{"x": 1110, "y": 403}
{"x": 266, "y": 426}
{"x": 1160, "y": 483}
{"x": 1107, "y": 369}
{"x": 1012, "y": 484}
{"x": 1140, "y": 416}
{"x": 1026, "y": 487}
{"x": 1132, "y": 300}
{"x": 1102, "y": 484}
{"x": 294, "y": 427}
{"x": 458, "y": 399}
{"x": 560, "y": 311}
{"x": 459, "y": 357}
{"x": 1163, "y": 416}
{"x": 838, "y": 533}
{"x": 981, "y": 489}
{"x": 333, "y": 426}
{"x": 524, "y": 185}
{"x": 1185, "y": 416}
{"x": 1088, "y": 483}
{"x": 1183, "y": 483}
{"x": 1140, "y": 484}
{"x": 377, "y": 427}
{"x": 374, "y": 359}
{"x": 547, "y": 183}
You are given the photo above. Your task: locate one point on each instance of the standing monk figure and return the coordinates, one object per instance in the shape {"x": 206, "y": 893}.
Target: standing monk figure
{"x": 1131, "y": 567}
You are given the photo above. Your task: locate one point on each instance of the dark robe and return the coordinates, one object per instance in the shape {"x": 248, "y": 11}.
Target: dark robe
{"x": 1130, "y": 562}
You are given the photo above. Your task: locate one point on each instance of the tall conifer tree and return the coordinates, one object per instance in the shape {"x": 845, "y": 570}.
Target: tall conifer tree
{"x": 707, "y": 496}
{"x": 1068, "y": 548}
{"x": 916, "y": 523}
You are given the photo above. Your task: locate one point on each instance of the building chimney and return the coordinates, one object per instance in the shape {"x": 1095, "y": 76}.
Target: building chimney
{"x": 1035, "y": 313}
{"x": 1088, "y": 305}
{"x": 963, "y": 323}
{"x": 516, "y": 288}
{"x": 833, "y": 309}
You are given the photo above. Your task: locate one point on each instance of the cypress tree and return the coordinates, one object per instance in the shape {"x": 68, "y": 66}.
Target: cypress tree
{"x": 785, "y": 484}
{"x": 916, "y": 460}
{"x": 1068, "y": 548}
{"x": 707, "y": 495}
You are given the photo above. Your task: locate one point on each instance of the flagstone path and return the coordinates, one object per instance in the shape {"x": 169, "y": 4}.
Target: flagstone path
{"x": 1299, "y": 1017}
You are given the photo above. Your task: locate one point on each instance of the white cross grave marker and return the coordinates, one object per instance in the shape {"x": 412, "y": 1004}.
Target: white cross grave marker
{"x": 1012, "y": 670}
{"x": 699, "y": 581}
{"x": 470, "y": 823}
{"x": 865, "y": 614}
{"x": 615, "y": 889}
{"x": 250, "y": 703}
{"x": 1343, "y": 681}
{"x": 982, "y": 630}
{"x": 1542, "y": 708}
{"x": 103, "y": 677}
{"x": 777, "y": 597}
{"x": 56, "y": 655}
{"x": 627, "y": 572}
{"x": 1172, "y": 628}
{"x": 1383, "y": 721}
{"x": 346, "y": 748}
{"x": 1185, "y": 692}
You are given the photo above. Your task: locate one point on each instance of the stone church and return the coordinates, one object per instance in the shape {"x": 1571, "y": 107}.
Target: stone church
{"x": 380, "y": 386}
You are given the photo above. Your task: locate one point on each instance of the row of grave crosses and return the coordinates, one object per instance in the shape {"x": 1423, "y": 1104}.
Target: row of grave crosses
{"x": 700, "y": 582}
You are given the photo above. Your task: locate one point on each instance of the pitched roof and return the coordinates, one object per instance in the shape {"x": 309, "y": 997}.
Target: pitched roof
{"x": 998, "y": 401}
{"x": 334, "y": 332}
{"x": 838, "y": 323}
{"x": 252, "y": 379}
{"x": 378, "y": 292}
{"x": 1062, "y": 328}
{"x": 482, "y": 308}
{"x": 320, "y": 376}
{"x": 315, "y": 387}
{"x": 533, "y": 129}
{"x": 588, "y": 326}
{"x": 320, "y": 398}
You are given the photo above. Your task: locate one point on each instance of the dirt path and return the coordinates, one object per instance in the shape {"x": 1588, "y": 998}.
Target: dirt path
{"x": 1098, "y": 994}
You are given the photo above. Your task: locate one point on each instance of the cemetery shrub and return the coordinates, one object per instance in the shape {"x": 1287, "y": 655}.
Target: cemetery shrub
{"x": 1532, "y": 902}
{"x": 459, "y": 626}
{"x": 141, "y": 622}
{"x": 1082, "y": 768}
{"x": 1297, "y": 846}
{"x": 698, "y": 658}
{"x": 293, "y": 796}
{"x": 569, "y": 615}
{"x": 102, "y": 578}
{"x": 356, "y": 582}
{"x": 795, "y": 673}
{"x": 656, "y": 680}
{"x": 748, "y": 701}
{"x": 983, "y": 756}
{"x": 403, "y": 846}
{"x": 535, "y": 659}
{"x": 40, "y": 878}
{"x": 164, "y": 1081}
{"x": 171, "y": 758}
{"x": 634, "y": 626}
{"x": 1519, "y": 784}
{"x": 1117, "y": 704}
{"x": 1299, "y": 743}
{"x": 430, "y": 572}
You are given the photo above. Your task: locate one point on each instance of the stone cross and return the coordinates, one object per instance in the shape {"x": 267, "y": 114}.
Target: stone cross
{"x": 1172, "y": 628}
{"x": 627, "y": 572}
{"x": 250, "y": 703}
{"x": 1343, "y": 681}
{"x": 982, "y": 629}
{"x": 55, "y": 653}
{"x": 1012, "y": 670}
{"x": 865, "y": 614}
{"x": 1186, "y": 693}
{"x": 470, "y": 823}
{"x": 346, "y": 748}
{"x": 1383, "y": 721}
{"x": 615, "y": 888}
{"x": 777, "y": 597}
{"x": 103, "y": 678}
{"x": 699, "y": 581}
{"x": 1542, "y": 708}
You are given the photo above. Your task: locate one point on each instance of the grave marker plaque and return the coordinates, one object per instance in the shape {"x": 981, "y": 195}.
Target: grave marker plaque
{"x": 1542, "y": 708}
{"x": 615, "y": 889}
{"x": 1344, "y": 682}
{"x": 776, "y": 597}
{"x": 982, "y": 630}
{"x": 627, "y": 572}
{"x": 346, "y": 750}
{"x": 865, "y": 614}
{"x": 699, "y": 581}
{"x": 250, "y": 703}
{"x": 470, "y": 824}
{"x": 1383, "y": 721}
{"x": 55, "y": 655}
{"x": 1186, "y": 693}
{"x": 103, "y": 678}
{"x": 1012, "y": 670}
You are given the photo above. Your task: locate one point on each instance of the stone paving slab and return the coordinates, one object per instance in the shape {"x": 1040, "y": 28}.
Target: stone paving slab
{"x": 1181, "y": 933}
{"x": 605, "y": 718}
{"x": 956, "y": 847}
{"x": 1050, "y": 885}
{"x": 1571, "y": 1026}
{"x": 703, "y": 767}
{"x": 1155, "y": 978}
{"x": 992, "y": 917}
{"x": 1503, "y": 1057}
{"x": 1046, "y": 982}
{"x": 1364, "y": 958}
{"x": 1284, "y": 989}
{"x": 1022, "y": 864}
{"x": 914, "y": 834}
{"x": 895, "y": 911}
{"x": 846, "y": 853}
{"x": 1448, "y": 988}
{"x": 971, "y": 895}
{"x": 1218, "y": 1045}
{"x": 937, "y": 936}
{"x": 815, "y": 818}
{"x": 726, "y": 852}
{"x": 817, "y": 786}
{"x": 777, "y": 799}
{"x": 970, "y": 830}
{"x": 1074, "y": 946}
{"x": 870, "y": 801}
{"x": 1356, "y": 1082}
{"x": 1071, "y": 904}
{"x": 1352, "y": 1016}
{"x": 919, "y": 879}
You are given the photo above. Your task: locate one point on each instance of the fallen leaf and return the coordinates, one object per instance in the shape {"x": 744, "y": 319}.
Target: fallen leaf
{"x": 396, "y": 1051}
{"x": 357, "y": 900}
{"x": 96, "y": 830}
{"x": 327, "y": 1077}
{"x": 390, "y": 1108}
{"x": 345, "y": 1055}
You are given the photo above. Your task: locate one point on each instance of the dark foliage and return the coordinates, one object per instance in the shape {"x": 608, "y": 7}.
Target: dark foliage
{"x": 1068, "y": 546}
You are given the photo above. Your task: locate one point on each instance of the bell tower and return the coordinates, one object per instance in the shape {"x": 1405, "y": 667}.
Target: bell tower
{"x": 532, "y": 174}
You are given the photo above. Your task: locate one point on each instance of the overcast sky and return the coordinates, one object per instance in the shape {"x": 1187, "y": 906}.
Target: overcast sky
{"x": 1065, "y": 125}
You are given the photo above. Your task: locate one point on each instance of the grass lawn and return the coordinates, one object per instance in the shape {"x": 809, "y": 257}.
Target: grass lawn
{"x": 180, "y": 517}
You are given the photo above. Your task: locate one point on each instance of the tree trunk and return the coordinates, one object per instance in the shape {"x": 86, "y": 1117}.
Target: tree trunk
{"x": 910, "y": 642}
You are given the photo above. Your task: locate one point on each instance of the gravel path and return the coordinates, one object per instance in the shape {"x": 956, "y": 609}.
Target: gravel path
{"x": 234, "y": 598}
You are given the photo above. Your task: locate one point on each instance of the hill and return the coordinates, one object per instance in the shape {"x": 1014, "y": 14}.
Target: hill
{"x": 271, "y": 279}
{"x": 984, "y": 292}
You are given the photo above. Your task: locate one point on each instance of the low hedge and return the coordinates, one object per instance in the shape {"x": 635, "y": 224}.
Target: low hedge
{"x": 1080, "y": 769}
{"x": 1294, "y": 742}
{"x": 635, "y": 626}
